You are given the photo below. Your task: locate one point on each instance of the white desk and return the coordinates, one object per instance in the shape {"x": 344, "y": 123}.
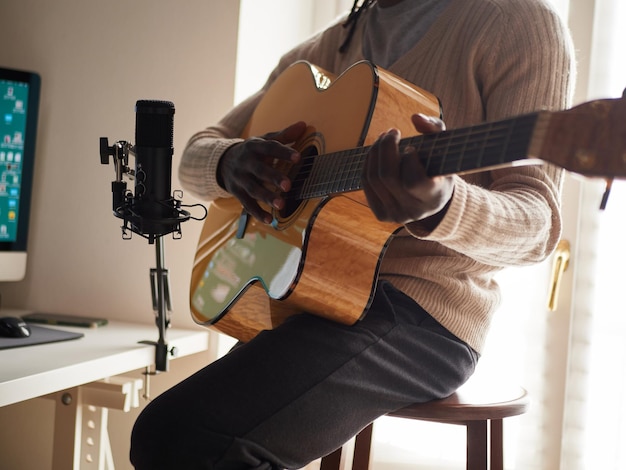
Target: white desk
{"x": 76, "y": 373}
{"x": 103, "y": 352}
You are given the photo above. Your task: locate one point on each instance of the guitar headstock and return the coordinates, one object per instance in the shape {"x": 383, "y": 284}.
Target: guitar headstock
{"x": 589, "y": 139}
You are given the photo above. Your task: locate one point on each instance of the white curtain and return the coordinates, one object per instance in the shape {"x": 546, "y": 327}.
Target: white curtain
{"x": 594, "y": 431}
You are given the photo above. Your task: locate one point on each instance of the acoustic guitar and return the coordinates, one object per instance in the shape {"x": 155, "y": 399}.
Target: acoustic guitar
{"x": 322, "y": 252}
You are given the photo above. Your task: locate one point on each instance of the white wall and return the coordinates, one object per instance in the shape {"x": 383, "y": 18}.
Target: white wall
{"x": 96, "y": 60}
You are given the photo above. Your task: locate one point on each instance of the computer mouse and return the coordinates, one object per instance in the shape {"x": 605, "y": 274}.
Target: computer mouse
{"x": 14, "y": 327}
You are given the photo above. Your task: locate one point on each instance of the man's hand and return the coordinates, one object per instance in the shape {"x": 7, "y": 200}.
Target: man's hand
{"x": 247, "y": 172}
{"x": 397, "y": 186}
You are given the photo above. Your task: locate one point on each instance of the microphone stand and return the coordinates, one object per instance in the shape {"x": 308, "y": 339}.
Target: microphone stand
{"x": 162, "y": 306}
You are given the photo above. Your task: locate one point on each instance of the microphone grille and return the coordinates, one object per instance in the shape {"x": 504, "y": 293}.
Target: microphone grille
{"x": 154, "y": 125}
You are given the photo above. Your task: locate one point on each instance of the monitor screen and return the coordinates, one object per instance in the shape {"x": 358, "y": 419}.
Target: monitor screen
{"x": 19, "y": 107}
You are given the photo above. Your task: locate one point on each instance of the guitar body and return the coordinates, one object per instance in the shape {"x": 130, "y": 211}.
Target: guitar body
{"x": 321, "y": 255}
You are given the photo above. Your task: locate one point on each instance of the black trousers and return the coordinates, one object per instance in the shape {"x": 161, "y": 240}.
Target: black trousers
{"x": 300, "y": 391}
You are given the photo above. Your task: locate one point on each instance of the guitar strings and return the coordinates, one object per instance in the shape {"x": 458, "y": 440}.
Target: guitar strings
{"x": 488, "y": 144}
{"x": 336, "y": 172}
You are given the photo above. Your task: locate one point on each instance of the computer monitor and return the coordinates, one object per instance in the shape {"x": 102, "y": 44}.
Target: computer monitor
{"x": 19, "y": 108}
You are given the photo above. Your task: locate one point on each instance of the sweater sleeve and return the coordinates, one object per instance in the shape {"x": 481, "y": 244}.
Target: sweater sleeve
{"x": 198, "y": 167}
{"x": 511, "y": 216}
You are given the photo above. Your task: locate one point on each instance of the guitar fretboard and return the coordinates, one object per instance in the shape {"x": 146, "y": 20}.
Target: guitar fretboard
{"x": 449, "y": 152}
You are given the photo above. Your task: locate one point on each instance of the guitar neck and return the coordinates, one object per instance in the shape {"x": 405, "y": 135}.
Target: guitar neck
{"x": 450, "y": 152}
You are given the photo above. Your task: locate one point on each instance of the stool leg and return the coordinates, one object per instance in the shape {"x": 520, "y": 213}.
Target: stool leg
{"x": 332, "y": 461}
{"x": 476, "y": 445}
{"x": 362, "y": 448}
{"x": 497, "y": 445}
{"x": 361, "y": 454}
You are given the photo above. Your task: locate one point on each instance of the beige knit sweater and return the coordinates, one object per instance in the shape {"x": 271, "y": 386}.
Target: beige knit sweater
{"x": 485, "y": 60}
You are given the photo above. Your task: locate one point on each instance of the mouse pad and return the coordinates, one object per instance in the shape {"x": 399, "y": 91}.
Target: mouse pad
{"x": 38, "y": 335}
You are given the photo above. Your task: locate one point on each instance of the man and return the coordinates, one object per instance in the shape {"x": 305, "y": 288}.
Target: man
{"x": 297, "y": 392}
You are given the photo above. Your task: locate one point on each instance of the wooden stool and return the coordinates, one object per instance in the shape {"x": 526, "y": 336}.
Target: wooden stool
{"x": 480, "y": 405}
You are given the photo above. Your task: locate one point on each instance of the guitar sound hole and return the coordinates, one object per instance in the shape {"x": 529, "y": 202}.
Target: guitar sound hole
{"x": 299, "y": 174}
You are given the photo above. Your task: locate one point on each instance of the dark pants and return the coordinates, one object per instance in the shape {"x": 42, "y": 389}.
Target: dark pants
{"x": 300, "y": 391}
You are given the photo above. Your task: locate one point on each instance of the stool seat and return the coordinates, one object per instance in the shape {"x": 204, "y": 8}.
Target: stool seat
{"x": 476, "y": 400}
{"x": 481, "y": 404}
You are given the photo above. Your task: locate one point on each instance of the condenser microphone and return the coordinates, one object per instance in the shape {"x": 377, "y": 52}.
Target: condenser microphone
{"x": 153, "y": 209}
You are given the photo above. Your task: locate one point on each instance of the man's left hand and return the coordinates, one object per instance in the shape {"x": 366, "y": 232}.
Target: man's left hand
{"x": 396, "y": 184}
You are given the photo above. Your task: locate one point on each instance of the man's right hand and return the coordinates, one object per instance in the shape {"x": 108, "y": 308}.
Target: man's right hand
{"x": 246, "y": 170}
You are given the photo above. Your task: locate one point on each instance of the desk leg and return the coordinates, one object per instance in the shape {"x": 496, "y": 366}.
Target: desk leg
{"x": 81, "y": 439}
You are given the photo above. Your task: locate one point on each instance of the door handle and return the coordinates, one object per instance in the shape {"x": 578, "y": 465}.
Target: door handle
{"x": 559, "y": 266}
